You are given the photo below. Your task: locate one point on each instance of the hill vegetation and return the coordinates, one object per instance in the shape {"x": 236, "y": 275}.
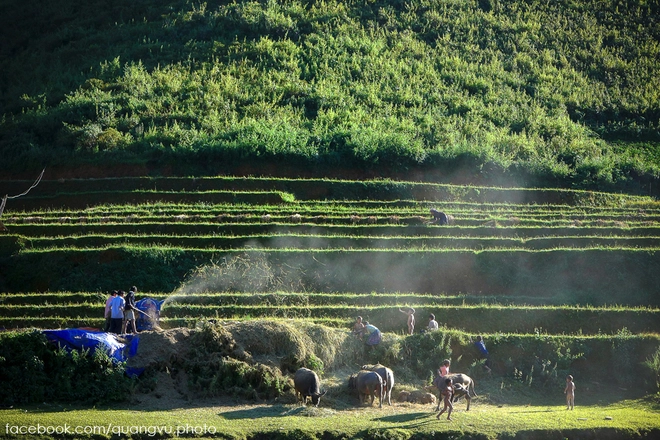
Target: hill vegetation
{"x": 535, "y": 125}
{"x": 558, "y": 93}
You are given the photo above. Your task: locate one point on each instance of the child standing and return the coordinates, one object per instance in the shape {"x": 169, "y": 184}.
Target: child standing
{"x": 570, "y": 392}
{"x": 447, "y": 393}
{"x": 411, "y": 319}
{"x": 444, "y": 368}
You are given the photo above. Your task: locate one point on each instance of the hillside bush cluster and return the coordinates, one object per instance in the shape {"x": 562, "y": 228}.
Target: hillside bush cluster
{"x": 214, "y": 368}
{"x": 562, "y": 92}
{"x": 255, "y": 359}
{"x": 34, "y": 371}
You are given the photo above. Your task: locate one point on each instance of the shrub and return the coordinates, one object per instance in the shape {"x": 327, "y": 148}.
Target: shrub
{"x": 55, "y": 374}
{"x": 333, "y": 83}
{"x": 22, "y": 355}
{"x": 653, "y": 363}
{"x": 314, "y": 363}
{"x": 386, "y": 434}
{"x": 214, "y": 376}
{"x": 212, "y": 372}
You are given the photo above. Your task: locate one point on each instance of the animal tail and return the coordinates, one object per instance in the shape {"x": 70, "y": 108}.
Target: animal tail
{"x": 381, "y": 388}
{"x": 472, "y": 386}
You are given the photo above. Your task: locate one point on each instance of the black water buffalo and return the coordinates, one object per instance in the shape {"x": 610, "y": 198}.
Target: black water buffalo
{"x": 307, "y": 383}
{"x": 367, "y": 383}
{"x": 388, "y": 378}
{"x": 463, "y": 385}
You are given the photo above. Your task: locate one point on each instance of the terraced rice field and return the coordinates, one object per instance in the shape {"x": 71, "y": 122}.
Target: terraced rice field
{"x": 512, "y": 261}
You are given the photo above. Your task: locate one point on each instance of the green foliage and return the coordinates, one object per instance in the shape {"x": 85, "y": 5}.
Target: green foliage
{"x": 420, "y": 354}
{"x": 230, "y": 376}
{"x": 314, "y": 363}
{"x": 653, "y": 363}
{"x": 287, "y": 197}
{"x": 457, "y": 86}
{"x": 386, "y": 434}
{"x": 211, "y": 371}
{"x": 84, "y": 377}
{"x": 22, "y": 355}
{"x": 10, "y": 245}
{"x": 622, "y": 351}
{"x": 55, "y": 374}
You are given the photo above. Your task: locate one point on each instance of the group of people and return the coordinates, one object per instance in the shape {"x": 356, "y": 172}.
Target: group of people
{"x": 372, "y": 335}
{"x": 446, "y": 387}
{"x": 432, "y": 325}
{"x": 369, "y": 332}
{"x": 120, "y": 312}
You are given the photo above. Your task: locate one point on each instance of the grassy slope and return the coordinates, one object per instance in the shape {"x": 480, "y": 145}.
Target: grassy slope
{"x": 499, "y": 90}
{"x": 533, "y": 408}
{"x": 239, "y": 421}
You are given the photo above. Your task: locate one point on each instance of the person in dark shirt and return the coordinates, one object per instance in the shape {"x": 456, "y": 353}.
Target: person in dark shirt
{"x": 481, "y": 346}
{"x": 129, "y": 310}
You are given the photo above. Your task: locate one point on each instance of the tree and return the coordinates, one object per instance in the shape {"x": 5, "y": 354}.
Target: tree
{"x": 7, "y": 196}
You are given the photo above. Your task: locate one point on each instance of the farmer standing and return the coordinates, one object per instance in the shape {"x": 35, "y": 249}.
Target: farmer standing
{"x": 481, "y": 346}
{"x": 117, "y": 313}
{"x": 129, "y": 310}
{"x": 108, "y": 318}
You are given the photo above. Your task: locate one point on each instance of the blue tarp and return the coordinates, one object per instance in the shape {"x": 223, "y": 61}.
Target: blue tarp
{"x": 118, "y": 350}
{"x": 151, "y": 307}
{"x": 78, "y": 339}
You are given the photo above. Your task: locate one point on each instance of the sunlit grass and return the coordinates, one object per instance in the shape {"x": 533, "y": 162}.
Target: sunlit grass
{"x": 242, "y": 419}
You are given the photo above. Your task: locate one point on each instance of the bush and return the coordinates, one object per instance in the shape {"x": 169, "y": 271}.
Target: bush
{"x": 55, "y": 374}
{"x": 386, "y": 434}
{"x": 22, "y": 355}
{"x": 653, "y": 363}
{"x": 212, "y": 372}
{"x": 375, "y": 83}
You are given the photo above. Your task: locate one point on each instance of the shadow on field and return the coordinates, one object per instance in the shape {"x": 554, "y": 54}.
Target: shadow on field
{"x": 254, "y": 413}
{"x": 401, "y": 418}
{"x": 536, "y": 411}
{"x": 409, "y": 421}
{"x": 277, "y": 411}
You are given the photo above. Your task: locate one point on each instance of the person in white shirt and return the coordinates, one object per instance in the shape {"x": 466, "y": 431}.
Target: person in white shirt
{"x": 433, "y": 324}
{"x": 117, "y": 313}
{"x": 108, "y": 319}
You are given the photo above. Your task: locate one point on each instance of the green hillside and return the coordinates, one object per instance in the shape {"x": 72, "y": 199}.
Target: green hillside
{"x": 267, "y": 170}
{"x": 539, "y": 93}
